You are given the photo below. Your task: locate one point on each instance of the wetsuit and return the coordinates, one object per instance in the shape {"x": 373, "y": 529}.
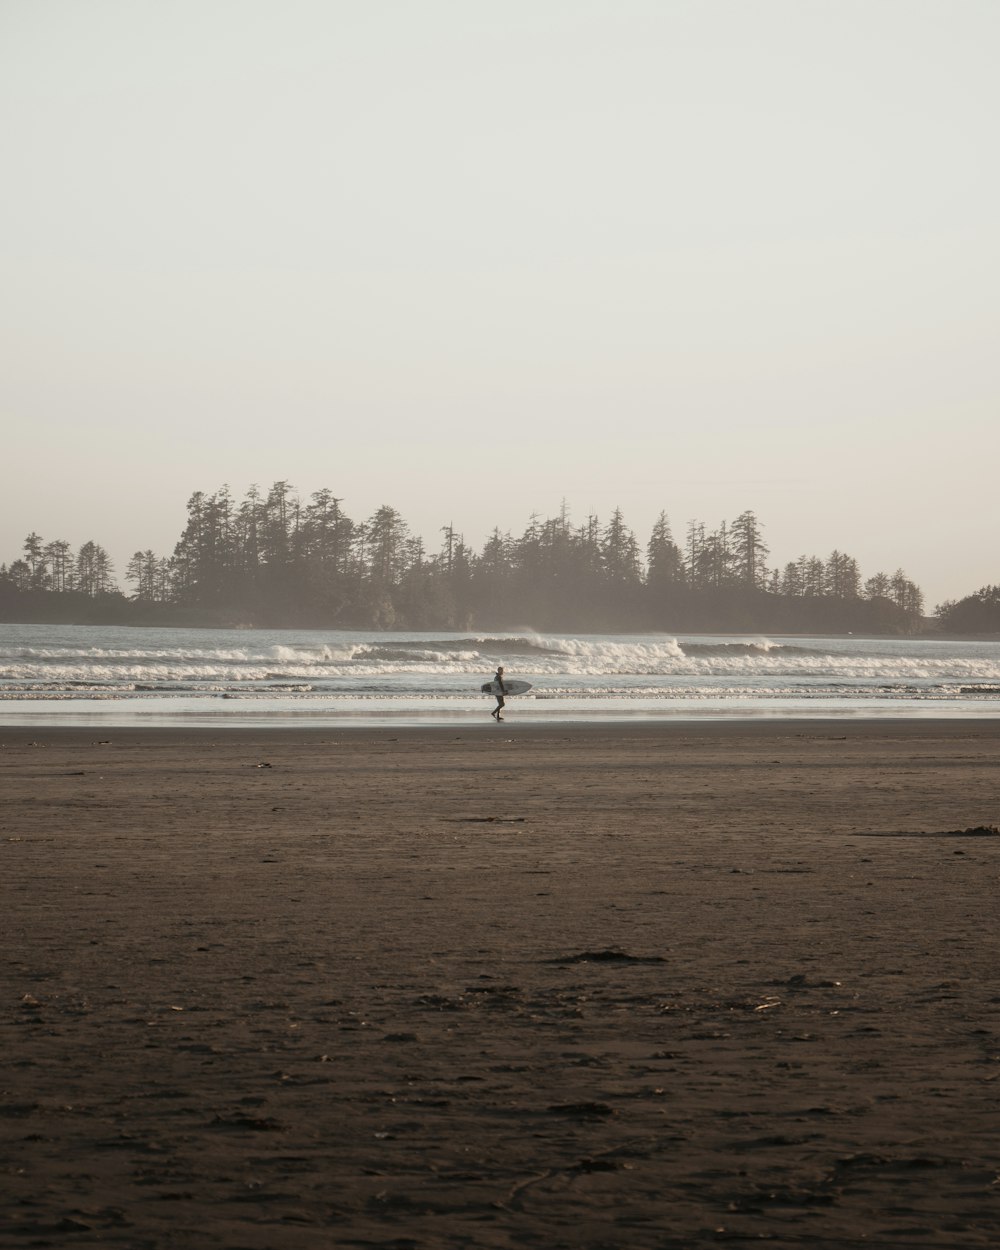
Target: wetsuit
{"x": 500, "y": 697}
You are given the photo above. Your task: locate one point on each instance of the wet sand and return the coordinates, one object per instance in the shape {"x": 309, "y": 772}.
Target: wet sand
{"x": 657, "y": 987}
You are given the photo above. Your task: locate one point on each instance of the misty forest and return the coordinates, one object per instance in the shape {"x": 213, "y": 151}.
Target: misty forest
{"x": 273, "y": 561}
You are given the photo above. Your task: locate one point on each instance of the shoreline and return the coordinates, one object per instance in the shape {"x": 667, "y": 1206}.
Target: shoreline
{"x": 922, "y": 635}
{"x": 852, "y": 726}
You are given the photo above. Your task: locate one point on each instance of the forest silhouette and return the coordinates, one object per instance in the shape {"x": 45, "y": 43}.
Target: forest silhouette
{"x": 270, "y": 560}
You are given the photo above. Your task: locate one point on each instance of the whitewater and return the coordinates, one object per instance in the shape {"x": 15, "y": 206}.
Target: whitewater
{"x": 78, "y": 675}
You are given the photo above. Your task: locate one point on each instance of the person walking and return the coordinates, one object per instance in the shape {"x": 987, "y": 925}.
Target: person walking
{"x": 501, "y": 691}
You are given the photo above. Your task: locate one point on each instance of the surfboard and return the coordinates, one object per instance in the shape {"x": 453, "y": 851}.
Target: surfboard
{"x": 510, "y": 687}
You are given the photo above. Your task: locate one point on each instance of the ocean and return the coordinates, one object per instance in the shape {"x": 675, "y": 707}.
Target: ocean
{"x": 101, "y": 676}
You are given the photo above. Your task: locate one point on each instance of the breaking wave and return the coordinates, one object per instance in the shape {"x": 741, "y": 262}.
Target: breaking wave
{"x": 58, "y": 663}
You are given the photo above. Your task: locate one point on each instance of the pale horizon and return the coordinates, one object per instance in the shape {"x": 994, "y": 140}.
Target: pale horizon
{"x": 685, "y": 257}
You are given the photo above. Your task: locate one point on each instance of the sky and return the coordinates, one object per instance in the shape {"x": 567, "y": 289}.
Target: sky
{"x": 475, "y": 260}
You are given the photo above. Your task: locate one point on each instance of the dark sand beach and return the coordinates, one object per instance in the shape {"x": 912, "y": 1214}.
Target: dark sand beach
{"x": 658, "y": 986}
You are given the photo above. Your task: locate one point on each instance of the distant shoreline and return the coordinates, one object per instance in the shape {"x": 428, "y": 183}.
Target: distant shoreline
{"x": 928, "y": 635}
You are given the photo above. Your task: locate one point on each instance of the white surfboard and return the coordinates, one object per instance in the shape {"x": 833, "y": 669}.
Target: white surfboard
{"x": 509, "y": 687}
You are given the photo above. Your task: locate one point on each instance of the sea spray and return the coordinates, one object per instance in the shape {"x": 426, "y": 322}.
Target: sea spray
{"x": 597, "y": 673}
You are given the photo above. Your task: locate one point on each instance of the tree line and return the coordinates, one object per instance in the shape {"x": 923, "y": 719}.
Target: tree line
{"x": 978, "y": 613}
{"x": 274, "y": 560}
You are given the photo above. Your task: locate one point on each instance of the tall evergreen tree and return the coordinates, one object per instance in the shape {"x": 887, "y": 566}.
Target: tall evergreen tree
{"x": 387, "y": 537}
{"x": 94, "y": 570}
{"x": 620, "y": 553}
{"x": 843, "y": 578}
{"x": 58, "y": 556}
{"x": 664, "y": 561}
{"x": 748, "y": 551}
{"x": 33, "y": 548}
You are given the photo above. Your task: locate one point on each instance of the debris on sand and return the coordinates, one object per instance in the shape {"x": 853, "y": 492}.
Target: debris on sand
{"x": 976, "y": 831}
{"x": 612, "y": 955}
{"x": 582, "y": 1110}
{"x": 489, "y": 820}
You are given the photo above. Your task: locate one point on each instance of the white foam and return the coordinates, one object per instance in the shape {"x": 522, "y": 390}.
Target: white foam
{"x": 50, "y": 662}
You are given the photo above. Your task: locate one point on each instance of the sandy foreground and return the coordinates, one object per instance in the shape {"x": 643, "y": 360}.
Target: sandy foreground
{"x": 661, "y": 986}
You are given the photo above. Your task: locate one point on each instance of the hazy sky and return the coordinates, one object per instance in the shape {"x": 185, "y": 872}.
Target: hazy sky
{"x": 470, "y": 259}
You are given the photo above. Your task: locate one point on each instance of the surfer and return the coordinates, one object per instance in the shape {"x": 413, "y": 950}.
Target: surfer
{"x": 502, "y": 690}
